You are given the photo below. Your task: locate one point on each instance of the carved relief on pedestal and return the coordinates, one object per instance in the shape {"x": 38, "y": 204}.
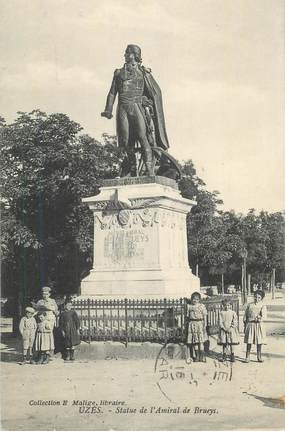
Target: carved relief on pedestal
{"x": 105, "y": 222}
{"x": 144, "y": 217}
{"x": 124, "y": 217}
{"x": 99, "y": 206}
{"x": 171, "y": 219}
{"x": 127, "y": 218}
{"x": 142, "y": 203}
{"x": 115, "y": 204}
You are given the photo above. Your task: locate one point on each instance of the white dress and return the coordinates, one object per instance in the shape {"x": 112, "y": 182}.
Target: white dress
{"x": 44, "y": 336}
{"x": 197, "y": 316}
{"x": 49, "y": 306}
{"x": 228, "y": 328}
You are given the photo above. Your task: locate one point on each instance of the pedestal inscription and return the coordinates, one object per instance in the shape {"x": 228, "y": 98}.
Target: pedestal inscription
{"x": 126, "y": 248}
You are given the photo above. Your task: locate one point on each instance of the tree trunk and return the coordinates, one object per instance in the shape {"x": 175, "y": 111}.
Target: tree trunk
{"x": 248, "y": 284}
{"x": 223, "y": 286}
{"x": 17, "y": 313}
{"x": 245, "y": 279}
{"x": 242, "y": 284}
{"x": 273, "y": 283}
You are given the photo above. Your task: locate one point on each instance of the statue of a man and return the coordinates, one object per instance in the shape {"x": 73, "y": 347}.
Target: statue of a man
{"x": 140, "y": 117}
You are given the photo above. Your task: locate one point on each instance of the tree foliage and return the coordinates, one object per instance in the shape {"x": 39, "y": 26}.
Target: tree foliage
{"x": 48, "y": 165}
{"x": 217, "y": 239}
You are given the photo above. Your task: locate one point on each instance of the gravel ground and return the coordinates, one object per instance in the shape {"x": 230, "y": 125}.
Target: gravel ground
{"x": 138, "y": 395}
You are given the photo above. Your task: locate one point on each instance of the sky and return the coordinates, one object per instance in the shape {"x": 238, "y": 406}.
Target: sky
{"x": 220, "y": 65}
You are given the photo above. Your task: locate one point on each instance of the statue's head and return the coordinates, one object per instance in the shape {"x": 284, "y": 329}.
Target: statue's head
{"x": 133, "y": 52}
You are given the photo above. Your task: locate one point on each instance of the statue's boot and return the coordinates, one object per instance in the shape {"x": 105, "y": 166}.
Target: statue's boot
{"x": 149, "y": 168}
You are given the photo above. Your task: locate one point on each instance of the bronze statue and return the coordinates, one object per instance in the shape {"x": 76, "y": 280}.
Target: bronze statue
{"x": 140, "y": 119}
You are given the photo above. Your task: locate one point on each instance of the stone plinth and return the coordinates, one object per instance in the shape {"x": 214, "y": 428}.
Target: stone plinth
{"x": 140, "y": 241}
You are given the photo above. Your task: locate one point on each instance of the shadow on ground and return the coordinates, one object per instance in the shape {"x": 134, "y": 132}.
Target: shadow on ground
{"x": 276, "y": 403}
{"x": 10, "y": 348}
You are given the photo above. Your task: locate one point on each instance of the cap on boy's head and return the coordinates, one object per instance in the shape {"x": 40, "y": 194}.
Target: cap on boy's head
{"x": 30, "y": 310}
{"x": 46, "y": 289}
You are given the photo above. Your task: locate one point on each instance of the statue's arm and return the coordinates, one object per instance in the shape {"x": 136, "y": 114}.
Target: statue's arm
{"x": 111, "y": 98}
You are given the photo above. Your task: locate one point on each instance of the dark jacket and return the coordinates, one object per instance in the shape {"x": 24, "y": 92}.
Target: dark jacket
{"x": 69, "y": 325}
{"x": 152, "y": 92}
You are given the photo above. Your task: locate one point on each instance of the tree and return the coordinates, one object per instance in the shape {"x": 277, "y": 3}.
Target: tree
{"x": 221, "y": 247}
{"x": 253, "y": 248}
{"x": 48, "y": 165}
{"x": 217, "y": 240}
{"x": 204, "y": 227}
{"x": 274, "y": 226}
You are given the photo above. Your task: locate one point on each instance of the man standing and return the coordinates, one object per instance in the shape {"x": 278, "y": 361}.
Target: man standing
{"x": 140, "y": 116}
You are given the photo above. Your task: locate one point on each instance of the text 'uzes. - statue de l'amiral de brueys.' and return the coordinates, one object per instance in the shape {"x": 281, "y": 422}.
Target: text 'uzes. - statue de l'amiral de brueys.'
{"x": 140, "y": 120}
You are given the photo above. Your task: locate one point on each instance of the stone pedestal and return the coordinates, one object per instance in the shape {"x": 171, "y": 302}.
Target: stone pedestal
{"x": 140, "y": 241}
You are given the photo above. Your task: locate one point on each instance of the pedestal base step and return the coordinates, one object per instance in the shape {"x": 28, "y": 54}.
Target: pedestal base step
{"x": 140, "y": 284}
{"x": 110, "y": 350}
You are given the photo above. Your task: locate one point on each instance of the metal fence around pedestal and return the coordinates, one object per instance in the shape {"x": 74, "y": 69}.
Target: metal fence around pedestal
{"x": 151, "y": 320}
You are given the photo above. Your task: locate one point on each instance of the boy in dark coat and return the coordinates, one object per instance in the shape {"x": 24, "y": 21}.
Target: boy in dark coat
{"x": 69, "y": 325}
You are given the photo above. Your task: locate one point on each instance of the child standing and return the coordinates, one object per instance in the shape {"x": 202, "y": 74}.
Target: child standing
{"x": 228, "y": 330}
{"x": 69, "y": 325}
{"x": 254, "y": 331}
{"x": 27, "y": 328}
{"x": 44, "y": 338}
{"x": 197, "y": 322}
{"x": 47, "y": 304}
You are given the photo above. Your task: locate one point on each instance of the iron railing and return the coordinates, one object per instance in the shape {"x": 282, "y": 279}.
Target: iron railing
{"x": 128, "y": 320}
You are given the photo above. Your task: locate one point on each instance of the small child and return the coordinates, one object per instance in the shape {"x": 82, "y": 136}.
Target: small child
{"x": 69, "y": 325}
{"x": 197, "y": 322}
{"x": 27, "y": 328}
{"x": 254, "y": 331}
{"x": 228, "y": 330}
{"x": 44, "y": 338}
